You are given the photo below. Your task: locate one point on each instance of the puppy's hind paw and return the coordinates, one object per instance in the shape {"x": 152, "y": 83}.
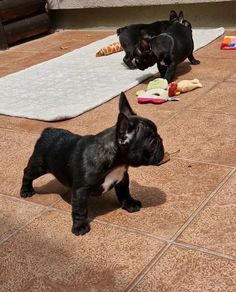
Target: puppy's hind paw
{"x": 131, "y": 205}
{"x": 25, "y": 193}
{"x": 80, "y": 228}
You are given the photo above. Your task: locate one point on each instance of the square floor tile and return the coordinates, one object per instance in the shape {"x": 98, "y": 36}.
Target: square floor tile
{"x": 202, "y": 136}
{"x": 221, "y": 99}
{"x": 46, "y": 256}
{"x": 182, "y": 270}
{"x": 215, "y": 226}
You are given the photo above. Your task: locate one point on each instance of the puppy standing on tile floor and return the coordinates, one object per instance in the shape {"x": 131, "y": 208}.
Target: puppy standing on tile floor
{"x": 168, "y": 49}
{"x": 93, "y": 164}
{"x": 131, "y": 35}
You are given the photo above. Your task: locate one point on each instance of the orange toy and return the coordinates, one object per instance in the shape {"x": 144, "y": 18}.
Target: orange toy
{"x": 110, "y": 49}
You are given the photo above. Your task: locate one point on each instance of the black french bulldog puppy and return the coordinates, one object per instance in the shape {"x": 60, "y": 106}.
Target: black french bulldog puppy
{"x": 131, "y": 35}
{"x": 167, "y": 49}
{"x": 93, "y": 164}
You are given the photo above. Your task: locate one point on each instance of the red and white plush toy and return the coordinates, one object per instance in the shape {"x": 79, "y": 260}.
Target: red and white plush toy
{"x": 159, "y": 91}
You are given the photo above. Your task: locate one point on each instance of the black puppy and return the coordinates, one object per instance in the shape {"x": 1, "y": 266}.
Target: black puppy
{"x": 167, "y": 49}
{"x": 94, "y": 164}
{"x": 131, "y": 35}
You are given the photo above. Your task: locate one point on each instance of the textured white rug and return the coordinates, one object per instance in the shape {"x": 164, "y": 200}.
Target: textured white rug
{"x": 76, "y": 82}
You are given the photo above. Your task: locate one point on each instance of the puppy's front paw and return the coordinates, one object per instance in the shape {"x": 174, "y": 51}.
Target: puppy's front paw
{"x": 27, "y": 192}
{"x": 132, "y": 66}
{"x": 195, "y": 62}
{"x": 80, "y": 228}
{"x": 131, "y": 205}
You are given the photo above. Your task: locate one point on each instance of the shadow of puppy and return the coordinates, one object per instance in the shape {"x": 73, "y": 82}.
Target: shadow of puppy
{"x": 52, "y": 187}
{"x": 183, "y": 68}
{"x": 104, "y": 204}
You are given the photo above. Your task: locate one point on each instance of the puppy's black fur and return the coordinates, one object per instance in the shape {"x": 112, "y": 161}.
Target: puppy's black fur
{"x": 93, "y": 164}
{"x": 167, "y": 50}
{"x": 131, "y": 35}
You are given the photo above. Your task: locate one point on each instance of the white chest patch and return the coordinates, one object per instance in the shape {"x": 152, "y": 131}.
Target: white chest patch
{"x": 114, "y": 177}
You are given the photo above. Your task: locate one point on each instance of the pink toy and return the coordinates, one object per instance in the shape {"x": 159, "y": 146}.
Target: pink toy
{"x": 229, "y": 43}
{"x": 146, "y": 99}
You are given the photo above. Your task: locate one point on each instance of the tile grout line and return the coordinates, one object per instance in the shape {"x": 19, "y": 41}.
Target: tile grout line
{"x": 45, "y": 209}
{"x": 133, "y": 230}
{"x": 204, "y": 250}
{"x": 19, "y": 199}
{"x": 203, "y": 204}
{"x": 155, "y": 260}
{"x": 148, "y": 267}
{"x": 167, "y": 241}
{"x": 171, "y": 242}
{"x": 50, "y": 207}
{"x": 210, "y": 112}
{"x": 24, "y": 225}
{"x": 153, "y": 236}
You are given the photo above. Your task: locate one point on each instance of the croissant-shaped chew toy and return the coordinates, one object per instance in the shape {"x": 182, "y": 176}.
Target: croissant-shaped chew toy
{"x": 110, "y": 49}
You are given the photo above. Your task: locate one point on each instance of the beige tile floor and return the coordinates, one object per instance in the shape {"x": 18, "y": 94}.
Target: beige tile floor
{"x": 184, "y": 238}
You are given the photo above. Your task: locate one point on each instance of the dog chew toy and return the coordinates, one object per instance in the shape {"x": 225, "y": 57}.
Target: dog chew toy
{"x": 110, "y": 49}
{"x": 188, "y": 85}
{"x": 228, "y": 43}
{"x": 159, "y": 91}
{"x": 165, "y": 159}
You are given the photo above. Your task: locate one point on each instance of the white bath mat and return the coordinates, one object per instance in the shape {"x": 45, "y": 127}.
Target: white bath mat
{"x": 76, "y": 82}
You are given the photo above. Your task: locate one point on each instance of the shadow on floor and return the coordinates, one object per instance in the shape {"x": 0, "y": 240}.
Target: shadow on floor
{"x": 106, "y": 203}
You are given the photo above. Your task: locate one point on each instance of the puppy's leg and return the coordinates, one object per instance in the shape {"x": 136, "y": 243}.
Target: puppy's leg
{"x": 128, "y": 60}
{"x": 170, "y": 72}
{"x": 192, "y": 60}
{"x": 162, "y": 69}
{"x": 80, "y": 211}
{"x": 124, "y": 197}
{"x": 33, "y": 170}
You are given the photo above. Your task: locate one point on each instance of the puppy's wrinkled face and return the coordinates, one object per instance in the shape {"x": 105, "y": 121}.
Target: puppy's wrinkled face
{"x": 143, "y": 55}
{"x": 137, "y": 138}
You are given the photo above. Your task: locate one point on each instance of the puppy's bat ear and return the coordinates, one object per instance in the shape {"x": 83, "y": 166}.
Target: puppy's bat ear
{"x": 124, "y": 130}
{"x": 181, "y": 17}
{"x": 124, "y": 106}
{"x": 173, "y": 15}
